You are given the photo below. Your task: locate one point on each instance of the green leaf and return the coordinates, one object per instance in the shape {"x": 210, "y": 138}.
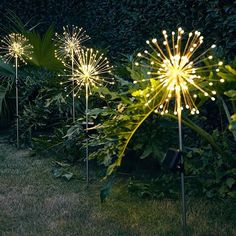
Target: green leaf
{"x": 62, "y": 164}
{"x": 44, "y": 50}
{"x": 6, "y": 70}
{"x": 68, "y": 176}
{"x": 231, "y": 70}
{"x": 146, "y": 153}
{"x": 226, "y": 76}
{"x": 202, "y": 133}
{"x": 230, "y": 182}
{"x": 231, "y": 94}
{"x": 232, "y": 194}
{"x": 233, "y": 117}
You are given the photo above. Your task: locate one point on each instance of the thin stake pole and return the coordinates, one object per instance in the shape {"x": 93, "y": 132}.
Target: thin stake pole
{"x": 73, "y": 83}
{"x": 87, "y": 151}
{"x": 179, "y": 111}
{"x": 17, "y": 105}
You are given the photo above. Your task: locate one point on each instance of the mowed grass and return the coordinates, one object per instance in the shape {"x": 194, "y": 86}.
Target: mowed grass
{"x": 33, "y": 202}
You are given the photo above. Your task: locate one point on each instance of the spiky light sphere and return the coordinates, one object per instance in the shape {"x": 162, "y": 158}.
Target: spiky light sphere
{"x": 69, "y": 42}
{"x": 90, "y": 68}
{"x": 180, "y": 69}
{"x": 15, "y": 45}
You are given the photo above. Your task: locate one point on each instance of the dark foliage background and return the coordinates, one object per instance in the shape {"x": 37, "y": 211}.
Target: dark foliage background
{"x": 123, "y": 26}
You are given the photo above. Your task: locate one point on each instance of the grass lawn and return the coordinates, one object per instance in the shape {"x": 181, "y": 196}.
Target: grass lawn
{"x": 33, "y": 202}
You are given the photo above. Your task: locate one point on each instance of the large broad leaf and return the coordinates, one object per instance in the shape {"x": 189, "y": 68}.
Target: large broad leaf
{"x": 44, "y": 50}
{"x": 6, "y": 70}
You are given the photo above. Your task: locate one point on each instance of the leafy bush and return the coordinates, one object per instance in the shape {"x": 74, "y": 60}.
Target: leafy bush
{"x": 127, "y": 24}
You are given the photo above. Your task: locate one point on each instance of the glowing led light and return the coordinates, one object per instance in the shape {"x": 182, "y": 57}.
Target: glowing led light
{"x": 179, "y": 69}
{"x": 67, "y": 45}
{"x": 17, "y": 46}
{"x": 69, "y": 42}
{"x": 90, "y": 68}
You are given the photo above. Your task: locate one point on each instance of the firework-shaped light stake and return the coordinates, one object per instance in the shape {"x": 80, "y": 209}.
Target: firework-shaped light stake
{"x": 91, "y": 69}
{"x": 67, "y": 45}
{"x": 16, "y": 46}
{"x": 180, "y": 71}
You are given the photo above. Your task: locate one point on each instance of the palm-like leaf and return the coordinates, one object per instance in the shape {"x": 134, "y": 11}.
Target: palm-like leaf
{"x": 44, "y": 48}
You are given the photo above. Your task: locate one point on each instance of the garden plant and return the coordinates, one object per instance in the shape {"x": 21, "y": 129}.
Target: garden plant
{"x": 103, "y": 114}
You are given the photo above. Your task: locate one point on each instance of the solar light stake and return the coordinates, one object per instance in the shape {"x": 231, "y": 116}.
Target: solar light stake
{"x": 90, "y": 69}
{"x": 73, "y": 83}
{"x": 184, "y": 223}
{"x": 16, "y": 46}
{"x": 177, "y": 73}
{"x": 17, "y": 104}
{"x": 86, "y": 114}
{"x": 68, "y": 45}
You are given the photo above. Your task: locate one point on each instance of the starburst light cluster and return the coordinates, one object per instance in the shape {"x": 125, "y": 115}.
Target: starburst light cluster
{"x": 180, "y": 69}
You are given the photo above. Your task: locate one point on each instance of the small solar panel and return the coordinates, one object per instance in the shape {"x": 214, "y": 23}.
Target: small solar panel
{"x": 172, "y": 159}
